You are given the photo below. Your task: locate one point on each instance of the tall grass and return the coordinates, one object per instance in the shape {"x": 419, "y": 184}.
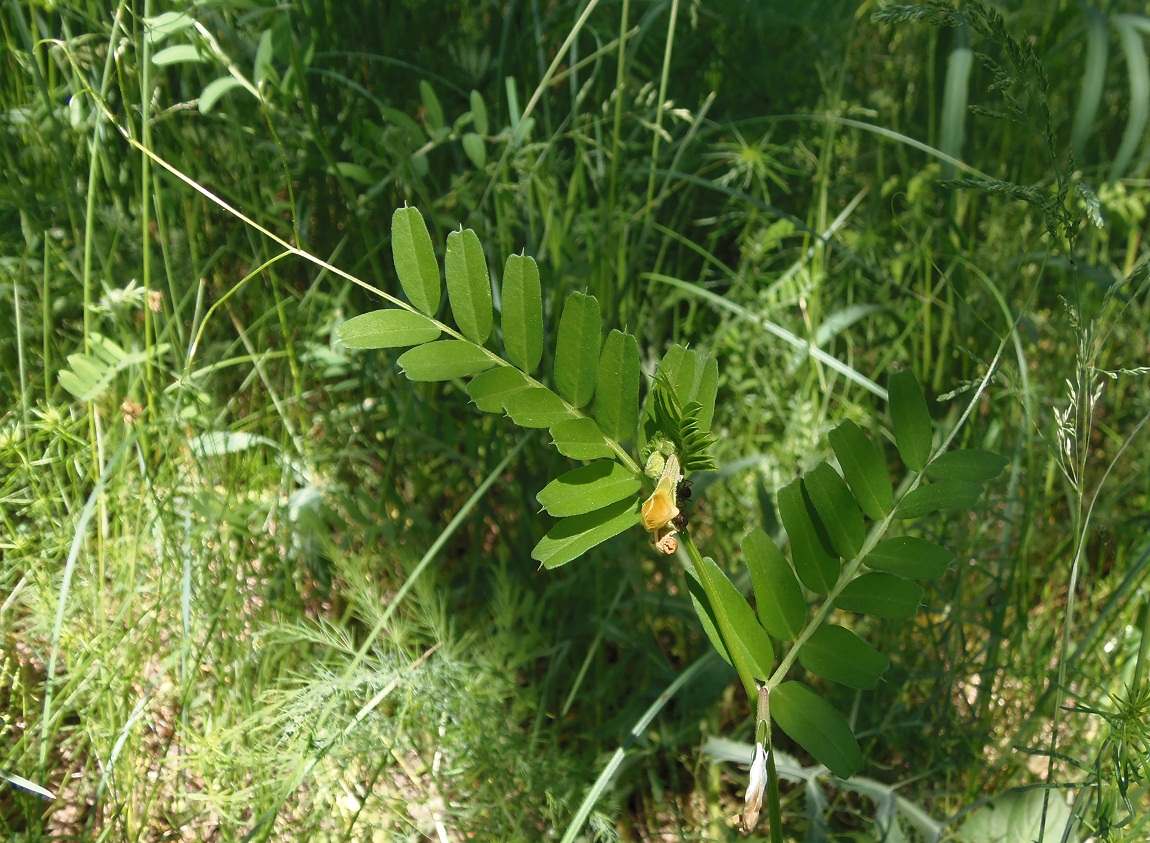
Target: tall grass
{"x": 233, "y": 599}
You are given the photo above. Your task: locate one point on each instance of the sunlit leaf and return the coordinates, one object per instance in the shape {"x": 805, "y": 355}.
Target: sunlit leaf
{"x": 215, "y": 89}
{"x": 577, "y": 349}
{"x": 580, "y": 439}
{"x": 414, "y": 259}
{"x": 574, "y": 536}
{"x": 814, "y": 564}
{"x": 536, "y": 407}
{"x": 749, "y": 636}
{"x": 391, "y": 328}
{"x": 864, "y": 468}
{"x": 778, "y": 598}
{"x": 944, "y": 494}
{"x": 966, "y": 465}
{"x": 617, "y": 391}
{"x": 443, "y": 360}
{"x": 468, "y": 285}
{"x": 814, "y": 724}
{"x": 881, "y": 595}
{"x": 910, "y": 418}
{"x": 491, "y": 388}
{"x": 837, "y": 510}
{"x": 836, "y": 653}
{"x": 588, "y": 488}
{"x": 522, "y": 319}
{"x": 910, "y": 557}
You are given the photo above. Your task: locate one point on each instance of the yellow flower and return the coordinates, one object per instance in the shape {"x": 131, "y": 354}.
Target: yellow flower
{"x": 660, "y": 510}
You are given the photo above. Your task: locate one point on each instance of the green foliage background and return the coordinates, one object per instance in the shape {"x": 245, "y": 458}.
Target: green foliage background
{"x": 233, "y": 599}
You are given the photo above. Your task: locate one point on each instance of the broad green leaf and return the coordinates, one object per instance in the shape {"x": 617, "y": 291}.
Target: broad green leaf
{"x": 694, "y": 377}
{"x": 390, "y": 328}
{"x": 443, "y": 360}
{"x": 491, "y": 388}
{"x": 966, "y": 465}
{"x": 945, "y": 494}
{"x": 414, "y": 259}
{"x": 574, "y": 536}
{"x": 1020, "y": 817}
{"x": 536, "y": 407}
{"x": 157, "y": 28}
{"x": 475, "y": 149}
{"x": 864, "y": 468}
{"x": 838, "y": 512}
{"x": 580, "y": 439}
{"x": 751, "y": 637}
{"x": 478, "y": 112}
{"x": 577, "y": 349}
{"x": 432, "y": 110}
{"x": 777, "y": 594}
{"x": 617, "y": 392}
{"x": 911, "y": 419}
{"x": 588, "y": 488}
{"x": 179, "y": 54}
{"x": 262, "y": 65}
{"x": 215, "y": 89}
{"x": 814, "y": 564}
{"x": 910, "y": 557}
{"x": 836, "y": 653}
{"x": 881, "y": 595}
{"x": 468, "y": 285}
{"x": 814, "y": 724}
{"x": 522, "y": 317}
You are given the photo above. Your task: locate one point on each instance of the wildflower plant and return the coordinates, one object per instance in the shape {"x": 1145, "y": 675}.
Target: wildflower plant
{"x": 638, "y": 458}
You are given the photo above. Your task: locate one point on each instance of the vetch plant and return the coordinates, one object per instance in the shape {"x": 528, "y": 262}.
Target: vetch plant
{"x": 638, "y": 458}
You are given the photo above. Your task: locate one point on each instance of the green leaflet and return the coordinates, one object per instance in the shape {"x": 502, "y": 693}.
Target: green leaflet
{"x": 617, "y": 395}
{"x": 814, "y": 724}
{"x": 945, "y": 494}
{"x": 588, "y": 488}
{"x": 443, "y": 360}
{"x": 966, "y": 465}
{"x": 491, "y": 388}
{"x": 577, "y": 349}
{"x": 836, "y": 653}
{"x": 522, "y": 315}
{"x": 881, "y": 595}
{"x": 391, "y": 328}
{"x": 910, "y": 418}
{"x": 778, "y": 597}
{"x": 749, "y": 635}
{"x": 695, "y": 378}
{"x": 837, "y": 510}
{"x": 536, "y": 407}
{"x": 910, "y": 557}
{"x": 571, "y": 537}
{"x": 864, "y": 468}
{"x": 817, "y": 568}
{"x": 580, "y": 439}
{"x": 414, "y": 259}
{"x": 468, "y": 285}
{"x": 432, "y": 110}
{"x": 478, "y": 112}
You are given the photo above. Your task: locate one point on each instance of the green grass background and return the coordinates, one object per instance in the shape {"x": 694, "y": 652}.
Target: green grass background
{"x": 234, "y": 603}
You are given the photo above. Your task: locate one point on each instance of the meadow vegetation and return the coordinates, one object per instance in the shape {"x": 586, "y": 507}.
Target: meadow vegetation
{"x": 255, "y": 585}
